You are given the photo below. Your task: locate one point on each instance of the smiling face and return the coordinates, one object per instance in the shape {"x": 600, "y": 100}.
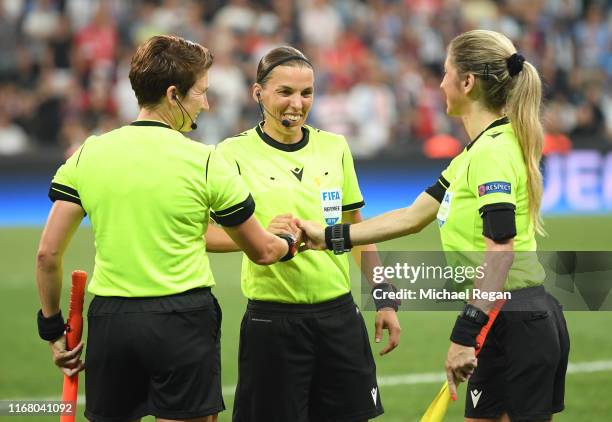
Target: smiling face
{"x": 286, "y": 95}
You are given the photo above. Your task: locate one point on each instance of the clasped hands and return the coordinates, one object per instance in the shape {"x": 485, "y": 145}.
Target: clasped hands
{"x": 307, "y": 234}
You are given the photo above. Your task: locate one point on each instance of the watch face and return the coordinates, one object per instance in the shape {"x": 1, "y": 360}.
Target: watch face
{"x": 474, "y": 314}
{"x": 471, "y": 312}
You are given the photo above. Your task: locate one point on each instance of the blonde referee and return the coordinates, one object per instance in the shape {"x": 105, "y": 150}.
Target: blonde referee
{"x": 488, "y": 200}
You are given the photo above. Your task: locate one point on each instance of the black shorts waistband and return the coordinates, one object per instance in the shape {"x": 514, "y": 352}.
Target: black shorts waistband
{"x": 528, "y": 299}
{"x": 528, "y": 292}
{"x": 198, "y": 298}
{"x": 346, "y": 300}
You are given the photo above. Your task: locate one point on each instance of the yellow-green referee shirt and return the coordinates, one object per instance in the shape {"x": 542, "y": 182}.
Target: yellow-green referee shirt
{"x": 149, "y": 191}
{"x": 313, "y": 179}
{"x": 490, "y": 171}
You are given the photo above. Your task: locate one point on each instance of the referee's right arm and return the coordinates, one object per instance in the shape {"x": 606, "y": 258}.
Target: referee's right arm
{"x": 218, "y": 241}
{"x": 261, "y": 246}
{"x": 233, "y": 208}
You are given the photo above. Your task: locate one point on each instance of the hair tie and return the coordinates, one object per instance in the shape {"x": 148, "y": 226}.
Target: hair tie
{"x": 515, "y": 64}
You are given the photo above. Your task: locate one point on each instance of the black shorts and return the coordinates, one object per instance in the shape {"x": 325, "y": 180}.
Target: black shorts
{"x": 521, "y": 368}
{"x": 303, "y": 363}
{"x": 153, "y": 356}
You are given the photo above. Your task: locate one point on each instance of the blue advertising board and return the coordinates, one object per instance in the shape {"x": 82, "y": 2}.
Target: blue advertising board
{"x": 576, "y": 183}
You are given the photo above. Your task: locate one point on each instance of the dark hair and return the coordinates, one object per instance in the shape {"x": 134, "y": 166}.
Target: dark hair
{"x": 286, "y": 56}
{"x": 165, "y": 60}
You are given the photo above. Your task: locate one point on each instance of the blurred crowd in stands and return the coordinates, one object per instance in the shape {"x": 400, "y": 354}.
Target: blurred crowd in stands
{"x": 378, "y": 64}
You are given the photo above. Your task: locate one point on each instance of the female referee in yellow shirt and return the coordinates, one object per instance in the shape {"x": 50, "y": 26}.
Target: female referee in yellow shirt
{"x": 488, "y": 200}
{"x": 301, "y": 318}
{"x": 154, "y": 324}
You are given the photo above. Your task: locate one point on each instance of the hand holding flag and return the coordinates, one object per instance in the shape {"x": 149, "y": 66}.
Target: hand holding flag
{"x": 74, "y": 330}
{"x": 438, "y": 407}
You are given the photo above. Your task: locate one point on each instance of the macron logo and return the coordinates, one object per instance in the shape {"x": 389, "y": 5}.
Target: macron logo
{"x": 374, "y": 395}
{"x": 475, "y": 397}
{"x": 298, "y": 173}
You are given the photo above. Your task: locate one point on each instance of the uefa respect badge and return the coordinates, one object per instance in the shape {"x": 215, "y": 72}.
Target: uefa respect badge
{"x": 331, "y": 202}
{"x": 494, "y": 187}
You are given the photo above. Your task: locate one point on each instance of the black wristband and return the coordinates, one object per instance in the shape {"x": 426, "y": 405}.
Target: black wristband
{"x": 51, "y": 328}
{"x": 338, "y": 238}
{"x": 381, "y": 293}
{"x": 292, "y": 251}
{"x": 468, "y": 326}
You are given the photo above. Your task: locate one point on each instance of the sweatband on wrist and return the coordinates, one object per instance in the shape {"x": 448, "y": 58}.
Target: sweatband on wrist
{"x": 468, "y": 325}
{"x": 50, "y": 328}
{"x": 384, "y": 296}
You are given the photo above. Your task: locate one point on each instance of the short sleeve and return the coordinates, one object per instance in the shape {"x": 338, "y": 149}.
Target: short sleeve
{"x": 438, "y": 189}
{"x": 351, "y": 194}
{"x": 492, "y": 178}
{"x": 231, "y": 203}
{"x": 64, "y": 185}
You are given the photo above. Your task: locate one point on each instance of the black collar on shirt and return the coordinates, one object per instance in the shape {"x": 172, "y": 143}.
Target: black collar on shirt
{"x": 149, "y": 123}
{"x": 496, "y": 123}
{"x": 279, "y": 145}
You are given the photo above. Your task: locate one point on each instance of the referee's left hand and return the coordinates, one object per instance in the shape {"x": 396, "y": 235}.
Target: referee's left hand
{"x": 69, "y": 361}
{"x": 386, "y": 318}
{"x": 460, "y": 364}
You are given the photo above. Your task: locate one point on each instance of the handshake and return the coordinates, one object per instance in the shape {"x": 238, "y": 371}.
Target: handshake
{"x": 307, "y": 234}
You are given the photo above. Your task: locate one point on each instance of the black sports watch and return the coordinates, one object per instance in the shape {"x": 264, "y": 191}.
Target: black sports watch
{"x": 292, "y": 247}
{"x": 472, "y": 313}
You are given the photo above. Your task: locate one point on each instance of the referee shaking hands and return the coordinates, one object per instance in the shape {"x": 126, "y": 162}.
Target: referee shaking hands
{"x": 301, "y": 317}
{"x": 153, "y": 345}
{"x": 488, "y": 200}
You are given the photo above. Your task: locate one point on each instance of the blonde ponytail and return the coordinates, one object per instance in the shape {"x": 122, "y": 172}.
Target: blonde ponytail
{"x": 523, "y": 109}
{"x": 485, "y": 54}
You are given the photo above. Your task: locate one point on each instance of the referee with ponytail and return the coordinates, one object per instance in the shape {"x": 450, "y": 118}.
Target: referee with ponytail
{"x": 488, "y": 200}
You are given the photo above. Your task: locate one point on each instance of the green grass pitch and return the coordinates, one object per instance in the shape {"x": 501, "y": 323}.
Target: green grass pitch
{"x": 26, "y": 369}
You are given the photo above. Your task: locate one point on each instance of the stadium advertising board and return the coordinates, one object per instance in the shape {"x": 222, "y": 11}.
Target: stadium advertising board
{"x": 579, "y": 182}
